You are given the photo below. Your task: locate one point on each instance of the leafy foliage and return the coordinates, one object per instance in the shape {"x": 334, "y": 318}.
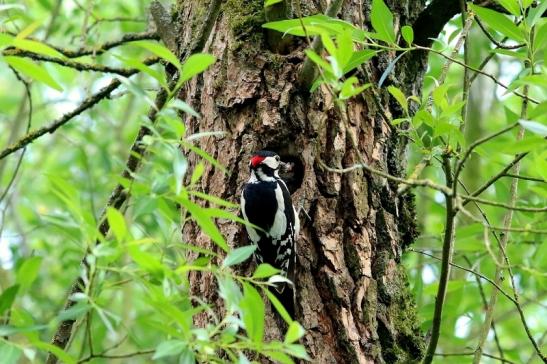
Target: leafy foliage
{"x": 441, "y": 127}
{"x": 136, "y": 299}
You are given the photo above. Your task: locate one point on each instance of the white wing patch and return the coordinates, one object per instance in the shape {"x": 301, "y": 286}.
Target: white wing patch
{"x": 253, "y": 235}
{"x": 280, "y": 221}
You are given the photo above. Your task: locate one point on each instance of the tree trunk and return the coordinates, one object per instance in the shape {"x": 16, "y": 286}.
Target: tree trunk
{"x": 352, "y": 292}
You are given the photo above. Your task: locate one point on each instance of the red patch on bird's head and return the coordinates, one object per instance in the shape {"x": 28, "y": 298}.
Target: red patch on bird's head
{"x": 256, "y": 160}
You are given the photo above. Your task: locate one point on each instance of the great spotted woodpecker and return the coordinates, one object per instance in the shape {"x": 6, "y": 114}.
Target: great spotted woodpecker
{"x": 266, "y": 203}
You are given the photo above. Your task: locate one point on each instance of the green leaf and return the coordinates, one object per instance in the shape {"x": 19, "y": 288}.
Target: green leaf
{"x": 135, "y": 63}
{"x": 498, "y": 22}
{"x": 399, "y": 96}
{"x": 184, "y": 107}
{"x": 538, "y": 111}
{"x": 169, "y": 348}
{"x": 382, "y": 21}
{"x": 315, "y": 58}
{"x": 197, "y": 173}
{"x": 252, "y": 312}
{"x": 11, "y": 7}
{"x": 196, "y": 64}
{"x": 180, "y": 165}
{"x": 229, "y": 291}
{"x": 146, "y": 261}
{"x": 29, "y": 29}
{"x": 279, "y": 357}
{"x": 534, "y": 127}
{"x": 213, "y": 199}
{"x": 160, "y": 51}
{"x": 205, "y": 223}
{"x": 5, "y": 40}
{"x": 295, "y": 332}
{"x": 358, "y": 58}
{"x": 271, "y": 2}
{"x": 74, "y": 312}
{"x": 36, "y": 47}
{"x": 298, "y": 351}
{"x": 535, "y": 14}
{"x": 28, "y": 272}
{"x": 348, "y": 89}
{"x": 117, "y": 223}
{"x": 315, "y": 25}
{"x": 59, "y": 353}
{"x": 32, "y": 70}
{"x": 278, "y": 306}
{"x": 265, "y": 270}
{"x": 238, "y": 255}
{"x": 389, "y": 69}
{"x": 408, "y": 34}
{"x": 7, "y": 297}
{"x": 345, "y": 51}
{"x": 511, "y": 6}
{"x": 9, "y": 353}
{"x": 203, "y": 154}
{"x": 8, "y": 330}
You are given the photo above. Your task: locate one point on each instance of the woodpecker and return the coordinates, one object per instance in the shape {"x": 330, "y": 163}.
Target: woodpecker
{"x": 266, "y": 203}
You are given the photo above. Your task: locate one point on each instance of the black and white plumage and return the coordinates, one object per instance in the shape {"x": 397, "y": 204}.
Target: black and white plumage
{"x": 266, "y": 203}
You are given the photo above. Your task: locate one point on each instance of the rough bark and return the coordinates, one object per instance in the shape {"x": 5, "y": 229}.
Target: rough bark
{"x": 352, "y": 294}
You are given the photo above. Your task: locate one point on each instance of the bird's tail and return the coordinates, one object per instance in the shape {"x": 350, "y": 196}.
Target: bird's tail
{"x": 284, "y": 292}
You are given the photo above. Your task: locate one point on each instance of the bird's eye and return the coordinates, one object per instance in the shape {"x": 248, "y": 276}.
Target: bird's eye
{"x": 277, "y": 158}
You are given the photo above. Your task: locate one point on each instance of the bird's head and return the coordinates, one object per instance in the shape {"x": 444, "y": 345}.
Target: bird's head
{"x": 265, "y": 163}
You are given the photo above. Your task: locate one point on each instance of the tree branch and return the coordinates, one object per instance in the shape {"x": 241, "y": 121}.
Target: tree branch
{"x": 97, "y": 50}
{"x": 475, "y": 144}
{"x": 71, "y": 64}
{"x": 91, "y": 101}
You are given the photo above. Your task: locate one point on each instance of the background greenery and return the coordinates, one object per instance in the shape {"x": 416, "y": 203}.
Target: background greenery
{"x": 139, "y": 301}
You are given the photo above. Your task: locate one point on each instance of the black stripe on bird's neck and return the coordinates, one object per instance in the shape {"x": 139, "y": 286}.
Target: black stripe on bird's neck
{"x": 265, "y": 173}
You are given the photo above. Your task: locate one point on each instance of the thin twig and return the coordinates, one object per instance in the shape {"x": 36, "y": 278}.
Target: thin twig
{"x": 496, "y": 177}
{"x": 527, "y": 178}
{"x": 476, "y": 143}
{"x": 448, "y": 245}
{"x": 493, "y": 40}
{"x": 504, "y": 205}
{"x": 120, "y": 356}
{"x": 29, "y": 124}
{"x": 470, "y": 353}
{"x": 485, "y": 305}
{"x": 477, "y": 274}
{"x": 410, "y": 182}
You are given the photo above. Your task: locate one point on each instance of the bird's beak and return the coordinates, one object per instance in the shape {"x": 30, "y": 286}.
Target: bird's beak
{"x": 285, "y": 167}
